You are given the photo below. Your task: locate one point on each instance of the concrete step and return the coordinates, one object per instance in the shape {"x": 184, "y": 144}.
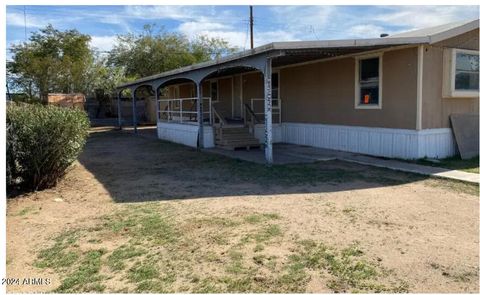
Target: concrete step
{"x": 239, "y": 142}
{"x": 242, "y": 135}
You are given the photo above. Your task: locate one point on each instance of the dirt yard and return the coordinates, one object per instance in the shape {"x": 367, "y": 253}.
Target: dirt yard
{"x": 141, "y": 215}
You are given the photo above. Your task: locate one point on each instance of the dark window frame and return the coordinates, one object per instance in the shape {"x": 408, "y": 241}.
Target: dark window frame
{"x": 368, "y": 80}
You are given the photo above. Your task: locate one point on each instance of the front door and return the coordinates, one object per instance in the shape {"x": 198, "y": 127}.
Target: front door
{"x": 237, "y": 106}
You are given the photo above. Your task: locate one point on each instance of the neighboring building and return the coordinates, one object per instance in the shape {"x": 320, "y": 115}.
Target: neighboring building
{"x": 389, "y": 97}
{"x": 67, "y": 99}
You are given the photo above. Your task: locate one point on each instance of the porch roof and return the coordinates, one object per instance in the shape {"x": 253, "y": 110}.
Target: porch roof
{"x": 300, "y": 51}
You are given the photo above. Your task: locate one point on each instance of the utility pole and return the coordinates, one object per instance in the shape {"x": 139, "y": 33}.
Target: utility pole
{"x": 251, "y": 27}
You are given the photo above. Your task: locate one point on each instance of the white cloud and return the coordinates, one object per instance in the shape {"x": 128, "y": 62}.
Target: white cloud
{"x": 365, "y": 31}
{"x": 18, "y": 20}
{"x": 194, "y": 29}
{"x": 417, "y": 17}
{"x": 274, "y": 36}
{"x": 103, "y": 43}
{"x": 235, "y": 36}
{"x": 340, "y": 22}
{"x": 161, "y": 12}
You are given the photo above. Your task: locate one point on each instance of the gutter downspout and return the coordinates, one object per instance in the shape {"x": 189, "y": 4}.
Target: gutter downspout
{"x": 418, "y": 125}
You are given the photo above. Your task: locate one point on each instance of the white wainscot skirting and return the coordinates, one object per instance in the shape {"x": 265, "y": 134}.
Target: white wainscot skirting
{"x": 384, "y": 142}
{"x": 186, "y": 134}
{"x": 276, "y": 129}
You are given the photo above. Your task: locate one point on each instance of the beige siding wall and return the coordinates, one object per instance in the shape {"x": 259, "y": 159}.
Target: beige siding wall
{"x": 436, "y": 109}
{"x": 325, "y": 93}
{"x": 237, "y": 92}
{"x": 187, "y": 90}
{"x": 224, "y": 103}
{"x": 184, "y": 90}
{"x": 206, "y": 88}
{"x": 252, "y": 86}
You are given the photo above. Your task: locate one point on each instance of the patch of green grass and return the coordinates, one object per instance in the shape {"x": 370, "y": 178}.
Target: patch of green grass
{"x": 457, "y": 276}
{"x": 349, "y": 271}
{"x": 58, "y": 256}
{"x": 267, "y": 233}
{"x": 261, "y": 217}
{"x": 142, "y": 271}
{"x": 237, "y": 284}
{"x": 455, "y": 163}
{"x": 219, "y": 239}
{"x": 116, "y": 260}
{"x": 25, "y": 211}
{"x": 465, "y": 276}
{"x": 143, "y": 223}
{"x": 149, "y": 278}
{"x": 263, "y": 260}
{"x": 258, "y": 248}
{"x": 208, "y": 285}
{"x": 456, "y": 186}
{"x": 85, "y": 278}
{"x": 94, "y": 241}
{"x": 216, "y": 221}
{"x": 236, "y": 264}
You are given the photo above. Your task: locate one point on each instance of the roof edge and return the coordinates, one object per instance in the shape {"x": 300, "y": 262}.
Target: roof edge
{"x": 298, "y": 45}
{"x": 470, "y": 26}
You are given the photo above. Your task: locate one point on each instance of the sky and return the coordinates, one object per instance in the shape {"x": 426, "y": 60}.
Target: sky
{"x": 271, "y": 23}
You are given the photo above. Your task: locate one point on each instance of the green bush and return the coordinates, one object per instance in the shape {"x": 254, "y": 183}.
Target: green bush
{"x": 42, "y": 142}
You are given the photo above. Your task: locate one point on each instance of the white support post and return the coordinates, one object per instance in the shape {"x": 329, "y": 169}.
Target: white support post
{"x": 181, "y": 111}
{"x": 134, "y": 111}
{"x": 210, "y": 113}
{"x": 119, "y": 109}
{"x": 267, "y": 77}
{"x": 200, "y": 114}
{"x": 156, "y": 105}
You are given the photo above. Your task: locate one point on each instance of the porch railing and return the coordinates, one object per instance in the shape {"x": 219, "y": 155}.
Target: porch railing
{"x": 183, "y": 110}
{"x": 258, "y": 108}
{"x": 250, "y": 118}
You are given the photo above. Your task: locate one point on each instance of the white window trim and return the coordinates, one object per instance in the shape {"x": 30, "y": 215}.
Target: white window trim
{"x": 452, "y": 91}
{"x": 380, "y": 82}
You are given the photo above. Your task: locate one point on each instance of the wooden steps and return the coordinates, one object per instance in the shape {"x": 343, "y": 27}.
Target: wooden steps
{"x": 235, "y": 138}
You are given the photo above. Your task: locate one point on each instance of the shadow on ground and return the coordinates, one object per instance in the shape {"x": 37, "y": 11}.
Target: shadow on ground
{"x": 138, "y": 168}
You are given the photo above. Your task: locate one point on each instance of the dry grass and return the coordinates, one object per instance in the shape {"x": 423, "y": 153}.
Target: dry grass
{"x": 157, "y": 252}
{"x": 139, "y": 215}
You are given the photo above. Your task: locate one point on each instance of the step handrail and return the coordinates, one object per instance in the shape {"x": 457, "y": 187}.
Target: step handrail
{"x": 220, "y": 118}
{"x": 250, "y": 118}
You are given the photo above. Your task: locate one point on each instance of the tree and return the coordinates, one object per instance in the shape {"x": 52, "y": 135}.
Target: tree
{"x": 150, "y": 52}
{"x": 52, "y": 61}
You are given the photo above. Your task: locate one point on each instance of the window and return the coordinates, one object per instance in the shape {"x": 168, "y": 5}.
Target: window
{"x": 461, "y": 73}
{"x": 368, "y": 82}
{"x": 466, "y": 71}
{"x": 214, "y": 90}
{"x": 275, "y": 89}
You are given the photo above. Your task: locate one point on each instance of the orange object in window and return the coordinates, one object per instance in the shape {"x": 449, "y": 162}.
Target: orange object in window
{"x": 366, "y": 98}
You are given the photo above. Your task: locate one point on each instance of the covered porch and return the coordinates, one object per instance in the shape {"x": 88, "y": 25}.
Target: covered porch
{"x": 235, "y": 101}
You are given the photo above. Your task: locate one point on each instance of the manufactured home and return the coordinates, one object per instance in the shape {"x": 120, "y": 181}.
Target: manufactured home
{"x": 391, "y": 96}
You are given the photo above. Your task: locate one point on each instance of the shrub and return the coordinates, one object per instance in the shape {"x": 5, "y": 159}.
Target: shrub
{"x": 42, "y": 142}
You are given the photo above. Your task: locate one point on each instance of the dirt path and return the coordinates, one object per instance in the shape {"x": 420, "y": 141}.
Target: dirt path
{"x": 423, "y": 231}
